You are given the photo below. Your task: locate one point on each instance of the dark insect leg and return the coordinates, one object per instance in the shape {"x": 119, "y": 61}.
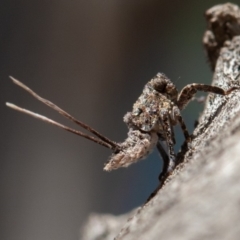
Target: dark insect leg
{"x": 165, "y": 158}
{"x": 163, "y": 174}
{"x": 168, "y": 161}
{"x": 178, "y": 117}
{"x": 188, "y": 92}
{"x": 165, "y": 170}
{"x": 172, "y": 134}
{"x": 169, "y": 138}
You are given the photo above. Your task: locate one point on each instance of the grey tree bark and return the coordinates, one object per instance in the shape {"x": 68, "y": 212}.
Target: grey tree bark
{"x": 201, "y": 199}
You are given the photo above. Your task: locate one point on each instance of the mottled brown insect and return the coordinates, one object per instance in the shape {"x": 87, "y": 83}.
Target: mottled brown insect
{"x": 149, "y": 123}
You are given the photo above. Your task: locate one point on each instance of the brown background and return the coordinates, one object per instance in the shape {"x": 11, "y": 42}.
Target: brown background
{"x": 92, "y": 58}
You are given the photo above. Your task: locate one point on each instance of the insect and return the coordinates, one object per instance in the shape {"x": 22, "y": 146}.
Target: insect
{"x": 150, "y": 123}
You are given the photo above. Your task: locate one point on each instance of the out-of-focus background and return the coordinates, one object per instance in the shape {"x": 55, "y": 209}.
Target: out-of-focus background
{"x": 92, "y": 58}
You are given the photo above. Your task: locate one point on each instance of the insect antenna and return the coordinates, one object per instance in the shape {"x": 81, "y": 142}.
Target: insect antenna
{"x": 102, "y": 140}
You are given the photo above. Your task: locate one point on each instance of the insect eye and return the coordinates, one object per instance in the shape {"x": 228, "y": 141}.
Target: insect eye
{"x": 160, "y": 88}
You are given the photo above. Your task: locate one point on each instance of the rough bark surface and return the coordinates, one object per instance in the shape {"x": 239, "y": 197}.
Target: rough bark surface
{"x": 201, "y": 199}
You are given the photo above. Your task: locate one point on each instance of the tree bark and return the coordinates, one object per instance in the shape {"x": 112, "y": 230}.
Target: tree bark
{"x": 201, "y": 199}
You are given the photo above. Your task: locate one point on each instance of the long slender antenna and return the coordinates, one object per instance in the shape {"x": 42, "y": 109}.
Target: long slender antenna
{"x": 62, "y": 112}
{"x": 48, "y": 120}
{"x": 105, "y": 141}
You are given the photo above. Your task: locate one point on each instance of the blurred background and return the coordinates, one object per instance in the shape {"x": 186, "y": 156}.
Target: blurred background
{"x": 92, "y": 58}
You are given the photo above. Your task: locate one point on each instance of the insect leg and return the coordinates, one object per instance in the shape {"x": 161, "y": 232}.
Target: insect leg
{"x": 165, "y": 159}
{"x": 177, "y": 116}
{"x": 169, "y": 138}
{"x": 165, "y": 170}
{"x": 172, "y": 134}
{"x": 190, "y": 90}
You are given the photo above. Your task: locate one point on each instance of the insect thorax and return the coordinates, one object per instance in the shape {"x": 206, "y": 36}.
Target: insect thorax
{"x": 159, "y": 94}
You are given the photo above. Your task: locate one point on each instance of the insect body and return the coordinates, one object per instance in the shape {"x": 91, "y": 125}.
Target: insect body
{"x": 152, "y": 119}
{"x": 150, "y": 122}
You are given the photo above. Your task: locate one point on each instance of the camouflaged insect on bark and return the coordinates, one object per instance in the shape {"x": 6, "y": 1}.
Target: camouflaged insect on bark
{"x": 151, "y": 122}
{"x": 152, "y": 119}
{"x": 145, "y": 123}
